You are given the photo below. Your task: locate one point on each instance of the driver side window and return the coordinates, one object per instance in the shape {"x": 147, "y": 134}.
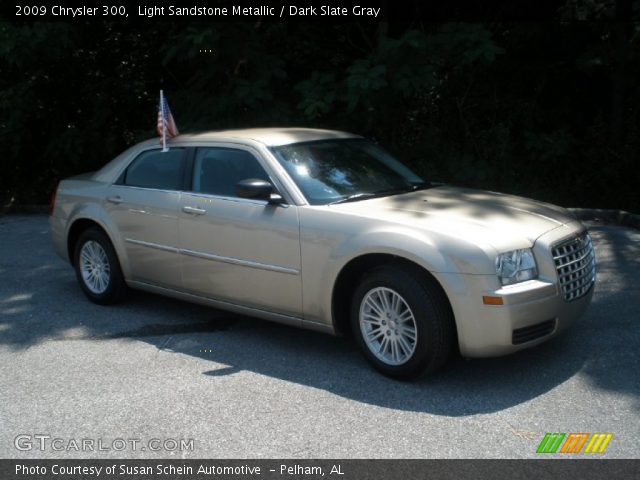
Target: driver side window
{"x": 216, "y": 171}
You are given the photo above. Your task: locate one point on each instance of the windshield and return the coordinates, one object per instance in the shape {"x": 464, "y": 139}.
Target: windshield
{"x": 331, "y": 171}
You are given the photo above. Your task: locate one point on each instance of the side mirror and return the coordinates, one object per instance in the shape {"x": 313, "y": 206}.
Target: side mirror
{"x": 257, "y": 189}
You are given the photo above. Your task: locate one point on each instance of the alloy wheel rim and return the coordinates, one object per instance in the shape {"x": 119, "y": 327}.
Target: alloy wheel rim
{"x": 388, "y": 326}
{"x": 95, "y": 268}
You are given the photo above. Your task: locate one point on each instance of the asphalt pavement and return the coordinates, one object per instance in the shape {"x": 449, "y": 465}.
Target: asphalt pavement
{"x": 165, "y": 378}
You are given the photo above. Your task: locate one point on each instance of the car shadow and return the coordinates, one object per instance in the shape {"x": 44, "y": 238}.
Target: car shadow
{"x": 44, "y": 303}
{"x": 235, "y": 343}
{"x": 463, "y": 387}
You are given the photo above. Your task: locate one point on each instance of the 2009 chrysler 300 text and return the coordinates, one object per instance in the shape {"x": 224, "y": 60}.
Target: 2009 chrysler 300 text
{"x": 324, "y": 230}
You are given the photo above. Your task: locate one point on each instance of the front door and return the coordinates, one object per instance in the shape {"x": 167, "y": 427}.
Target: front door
{"x": 233, "y": 249}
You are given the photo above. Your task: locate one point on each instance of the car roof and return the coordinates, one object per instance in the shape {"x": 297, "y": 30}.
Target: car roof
{"x": 270, "y": 137}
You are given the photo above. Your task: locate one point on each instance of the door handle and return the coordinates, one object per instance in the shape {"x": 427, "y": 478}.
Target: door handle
{"x": 117, "y": 199}
{"x": 194, "y": 210}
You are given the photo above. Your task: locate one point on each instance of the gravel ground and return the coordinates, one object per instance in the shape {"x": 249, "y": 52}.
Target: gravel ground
{"x": 154, "y": 368}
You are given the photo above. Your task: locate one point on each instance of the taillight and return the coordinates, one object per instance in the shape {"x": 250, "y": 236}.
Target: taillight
{"x": 52, "y": 201}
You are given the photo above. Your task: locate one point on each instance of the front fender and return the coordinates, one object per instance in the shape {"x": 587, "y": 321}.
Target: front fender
{"x": 328, "y": 251}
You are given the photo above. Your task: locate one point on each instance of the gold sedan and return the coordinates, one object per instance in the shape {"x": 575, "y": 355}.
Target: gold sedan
{"x": 325, "y": 230}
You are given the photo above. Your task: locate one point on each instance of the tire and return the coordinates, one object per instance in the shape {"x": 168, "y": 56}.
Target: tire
{"x": 98, "y": 269}
{"x": 408, "y": 309}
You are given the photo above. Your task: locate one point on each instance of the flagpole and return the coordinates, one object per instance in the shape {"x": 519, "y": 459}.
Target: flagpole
{"x": 164, "y": 123}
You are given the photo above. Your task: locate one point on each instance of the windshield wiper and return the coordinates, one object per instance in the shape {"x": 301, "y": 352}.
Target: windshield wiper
{"x": 414, "y": 187}
{"x": 354, "y": 197}
{"x": 384, "y": 193}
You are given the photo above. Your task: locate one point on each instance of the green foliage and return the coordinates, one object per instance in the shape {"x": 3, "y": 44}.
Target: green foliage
{"x": 468, "y": 43}
{"x": 529, "y": 109}
{"x": 318, "y": 94}
{"x": 364, "y": 81}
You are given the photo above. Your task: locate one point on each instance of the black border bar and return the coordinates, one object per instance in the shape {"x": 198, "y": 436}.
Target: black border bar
{"x": 544, "y": 469}
{"x": 388, "y": 10}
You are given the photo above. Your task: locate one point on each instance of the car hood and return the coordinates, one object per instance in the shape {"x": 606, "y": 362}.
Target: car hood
{"x": 480, "y": 216}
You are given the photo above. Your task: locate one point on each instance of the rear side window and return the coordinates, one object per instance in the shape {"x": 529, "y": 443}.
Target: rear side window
{"x": 216, "y": 171}
{"x": 157, "y": 169}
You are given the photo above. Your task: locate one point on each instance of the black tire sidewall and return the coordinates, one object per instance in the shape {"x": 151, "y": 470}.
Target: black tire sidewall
{"x": 420, "y": 298}
{"x": 116, "y": 285}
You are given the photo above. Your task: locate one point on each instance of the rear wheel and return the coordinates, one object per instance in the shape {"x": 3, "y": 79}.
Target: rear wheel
{"x": 402, "y": 321}
{"x": 97, "y": 268}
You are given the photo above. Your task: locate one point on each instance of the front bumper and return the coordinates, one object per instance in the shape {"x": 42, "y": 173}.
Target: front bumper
{"x": 532, "y": 312}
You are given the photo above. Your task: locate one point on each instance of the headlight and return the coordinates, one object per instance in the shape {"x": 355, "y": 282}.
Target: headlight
{"x": 516, "y": 266}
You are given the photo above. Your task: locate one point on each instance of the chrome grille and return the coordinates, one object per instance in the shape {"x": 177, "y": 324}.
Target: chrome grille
{"x": 576, "y": 266}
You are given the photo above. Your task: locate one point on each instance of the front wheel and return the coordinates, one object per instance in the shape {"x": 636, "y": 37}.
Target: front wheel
{"x": 402, "y": 321}
{"x": 97, "y": 268}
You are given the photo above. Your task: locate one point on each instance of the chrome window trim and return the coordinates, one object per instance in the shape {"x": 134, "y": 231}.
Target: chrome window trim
{"x": 283, "y": 182}
{"x": 162, "y": 190}
{"x": 232, "y": 199}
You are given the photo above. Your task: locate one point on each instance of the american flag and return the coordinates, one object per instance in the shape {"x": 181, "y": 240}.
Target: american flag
{"x": 166, "y": 124}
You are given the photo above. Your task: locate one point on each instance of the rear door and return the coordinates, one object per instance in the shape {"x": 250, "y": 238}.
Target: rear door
{"x": 233, "y": 249}
{"x": 144, "y": 204}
